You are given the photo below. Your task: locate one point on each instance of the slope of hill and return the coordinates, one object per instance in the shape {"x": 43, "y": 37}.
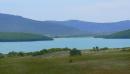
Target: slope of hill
{"x": 14, "y": 37}
{"x": 121, "y": 35}
{"x": 13, "y": 23}
{"x": 99, "y": 28}
{"x": 93, "y": 28}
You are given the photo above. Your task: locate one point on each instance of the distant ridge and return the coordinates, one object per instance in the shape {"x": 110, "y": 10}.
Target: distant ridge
{"x": 11, "y": 23}
{"x": 14, "y": 23}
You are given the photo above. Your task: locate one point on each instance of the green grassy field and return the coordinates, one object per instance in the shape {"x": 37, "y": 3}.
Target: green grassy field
{"x": 113, "y": 62}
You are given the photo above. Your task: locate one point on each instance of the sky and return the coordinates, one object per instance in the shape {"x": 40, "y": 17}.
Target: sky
{"x": 87, "y": 10}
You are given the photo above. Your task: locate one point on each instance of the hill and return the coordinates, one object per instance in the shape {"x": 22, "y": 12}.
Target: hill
{"x": 15, "y": 37}
{"x": 14, "y": 23}
{"x": 99, "y": 28}
{"x": 122, "y": 35}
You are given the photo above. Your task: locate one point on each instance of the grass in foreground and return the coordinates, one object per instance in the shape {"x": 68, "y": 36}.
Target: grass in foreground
{"x": 92, "y": 63}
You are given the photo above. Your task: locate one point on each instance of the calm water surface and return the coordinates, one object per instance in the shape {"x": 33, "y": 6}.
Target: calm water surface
{"x": 81, "y": 43}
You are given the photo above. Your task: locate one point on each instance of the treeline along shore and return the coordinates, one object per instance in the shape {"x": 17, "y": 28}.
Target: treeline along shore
{"x": 67, "y": 51}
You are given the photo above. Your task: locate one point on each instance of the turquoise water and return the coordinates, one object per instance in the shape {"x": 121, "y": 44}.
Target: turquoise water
{"x": 81, "y": 43}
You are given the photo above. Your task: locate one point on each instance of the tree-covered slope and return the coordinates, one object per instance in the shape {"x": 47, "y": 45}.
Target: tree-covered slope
{"x": 122, "y": 34}
{"x": 13, "y": 37}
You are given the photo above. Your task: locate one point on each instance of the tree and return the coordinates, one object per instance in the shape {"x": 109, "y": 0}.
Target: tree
{"x": 96, "y": 48}
{"x": 12, "y": 53}
{"x": 1, "y": 55}
{"x": 74, "y": 52}
{"x": 21, "y": 54}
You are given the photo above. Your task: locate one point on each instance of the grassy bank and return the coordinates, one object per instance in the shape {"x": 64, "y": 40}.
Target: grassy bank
{"x": 102, "y": 62}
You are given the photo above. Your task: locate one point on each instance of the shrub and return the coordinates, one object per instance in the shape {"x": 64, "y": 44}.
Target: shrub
{"x": 12, "y": 53}
{"x": 21, "y": 54}
{"x": 74, "y": 52}
{"x": 125, "y": 49}
{"x": 1, "y": 55}
{"x": 105, "y": 48}
{"x": 95, "y": 49}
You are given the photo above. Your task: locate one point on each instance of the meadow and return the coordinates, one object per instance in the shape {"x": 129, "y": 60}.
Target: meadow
{"x": 113, "y": 61}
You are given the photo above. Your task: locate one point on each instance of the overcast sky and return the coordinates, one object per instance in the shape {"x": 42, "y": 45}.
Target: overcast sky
{"x": 87, "y": 10}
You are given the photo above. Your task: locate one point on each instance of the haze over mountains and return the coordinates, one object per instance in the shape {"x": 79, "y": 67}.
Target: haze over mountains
{"x": 13, "y": 23}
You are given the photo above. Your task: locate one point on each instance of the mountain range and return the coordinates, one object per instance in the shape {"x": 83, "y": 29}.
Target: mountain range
{"x": 14, "y": 23}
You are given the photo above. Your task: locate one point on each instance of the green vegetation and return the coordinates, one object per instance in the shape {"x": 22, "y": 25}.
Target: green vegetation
{"x": 99, "y": 49}
{"x": 123, "y": 34}
{"x": 110, "y": 61}
{"x": 36, "y": 53}
{"x": 1, "y": 55}
{"x": 13, "y": 37}
{"x": 47, "y": 51}
{"x": 95, "y": 49}
{"x": 75, "y": 52}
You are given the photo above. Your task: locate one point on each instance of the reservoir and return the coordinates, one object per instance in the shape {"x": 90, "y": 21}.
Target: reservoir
{"x": 80, "y": 43}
